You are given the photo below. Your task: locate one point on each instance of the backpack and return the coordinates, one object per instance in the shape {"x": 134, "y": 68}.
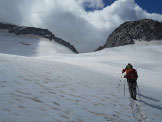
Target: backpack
{"x": 132, "y": 74}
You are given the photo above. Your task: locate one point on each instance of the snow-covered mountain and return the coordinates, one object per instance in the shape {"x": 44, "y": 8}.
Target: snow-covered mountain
{"x": 12, "y": 30}
{"x": 126, "y": 33}
{"x": 39, "y": 82}
{"x": 30, "y": 46}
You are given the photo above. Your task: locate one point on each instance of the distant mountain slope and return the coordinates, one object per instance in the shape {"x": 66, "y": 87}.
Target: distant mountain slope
{"x": 31, "y": 46}
{"x": 45, "y": 33}
{"x": 145, "y": 29}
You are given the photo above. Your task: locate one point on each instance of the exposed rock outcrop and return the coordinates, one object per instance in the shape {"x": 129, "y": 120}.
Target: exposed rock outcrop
{"x": 145, "y": 30}
{"x": 45, "y": 33}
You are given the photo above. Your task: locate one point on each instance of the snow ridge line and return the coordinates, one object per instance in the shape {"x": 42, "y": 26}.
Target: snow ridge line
{"x": 137, "y": 111}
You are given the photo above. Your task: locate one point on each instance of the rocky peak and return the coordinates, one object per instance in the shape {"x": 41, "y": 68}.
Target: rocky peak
{"x": 144, "y": 29}
{"x": 45, "y": 33}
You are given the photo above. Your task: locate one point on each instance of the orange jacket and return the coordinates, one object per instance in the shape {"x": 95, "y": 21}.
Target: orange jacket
{"x": 126, "y": 70}
{"x": 130, "y": 73}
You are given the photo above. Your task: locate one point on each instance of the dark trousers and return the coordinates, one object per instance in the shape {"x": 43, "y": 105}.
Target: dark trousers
{"x": 132, "y": 84}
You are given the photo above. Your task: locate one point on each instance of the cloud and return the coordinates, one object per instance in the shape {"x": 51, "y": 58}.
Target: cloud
{"x": 9, "y": 11}
{"x": 69, "y": 20}
{"x": 94, "y": 4}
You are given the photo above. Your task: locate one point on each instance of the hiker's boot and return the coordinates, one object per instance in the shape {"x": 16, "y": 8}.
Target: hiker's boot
{"x": 134, "y": 94}
{"x": 131, "y": 95}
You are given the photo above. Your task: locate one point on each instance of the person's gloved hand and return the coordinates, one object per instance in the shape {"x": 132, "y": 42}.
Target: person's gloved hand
{"x": 123, "y": 71}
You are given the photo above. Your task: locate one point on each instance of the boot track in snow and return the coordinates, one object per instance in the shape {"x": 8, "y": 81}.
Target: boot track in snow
{"x": 137, "y": 111}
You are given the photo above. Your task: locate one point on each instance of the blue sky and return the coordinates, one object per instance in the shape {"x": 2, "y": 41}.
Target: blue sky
{"x": 151, "y": 6}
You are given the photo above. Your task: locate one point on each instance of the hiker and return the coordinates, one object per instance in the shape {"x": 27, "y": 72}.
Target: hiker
{"x": 128, "y": 67}
{"x": 131, "y": 75}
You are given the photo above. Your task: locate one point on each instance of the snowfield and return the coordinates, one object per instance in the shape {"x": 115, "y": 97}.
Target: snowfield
{"x": 30, "y": 46}
{"x": 40, "y": 83}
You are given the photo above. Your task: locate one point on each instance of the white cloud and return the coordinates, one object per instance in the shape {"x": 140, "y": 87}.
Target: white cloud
{"x": 97, "y": 4}
{"x": 68, "y": 19}
{"x": 8, "y": 11}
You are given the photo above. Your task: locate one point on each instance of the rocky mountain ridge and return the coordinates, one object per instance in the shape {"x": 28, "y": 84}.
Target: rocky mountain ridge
{"x": 126, "y": 33}
{"x": 45, "y": 33}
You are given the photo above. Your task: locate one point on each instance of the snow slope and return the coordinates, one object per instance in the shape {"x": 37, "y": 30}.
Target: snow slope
{"x": 30, "y": 46}
{"x": 47, "y": 87}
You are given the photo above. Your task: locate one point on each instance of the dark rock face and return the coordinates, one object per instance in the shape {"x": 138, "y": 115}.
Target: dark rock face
{"x": 45, "y": 33}
{"x": 145, "y": 30}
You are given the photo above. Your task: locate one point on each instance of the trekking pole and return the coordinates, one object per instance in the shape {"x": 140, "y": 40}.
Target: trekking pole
{"x": 139, "y": 93}
{"x": 120, "y": 80}
{"x": 124, "y": 87}
{"x": 124, "y": 83}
